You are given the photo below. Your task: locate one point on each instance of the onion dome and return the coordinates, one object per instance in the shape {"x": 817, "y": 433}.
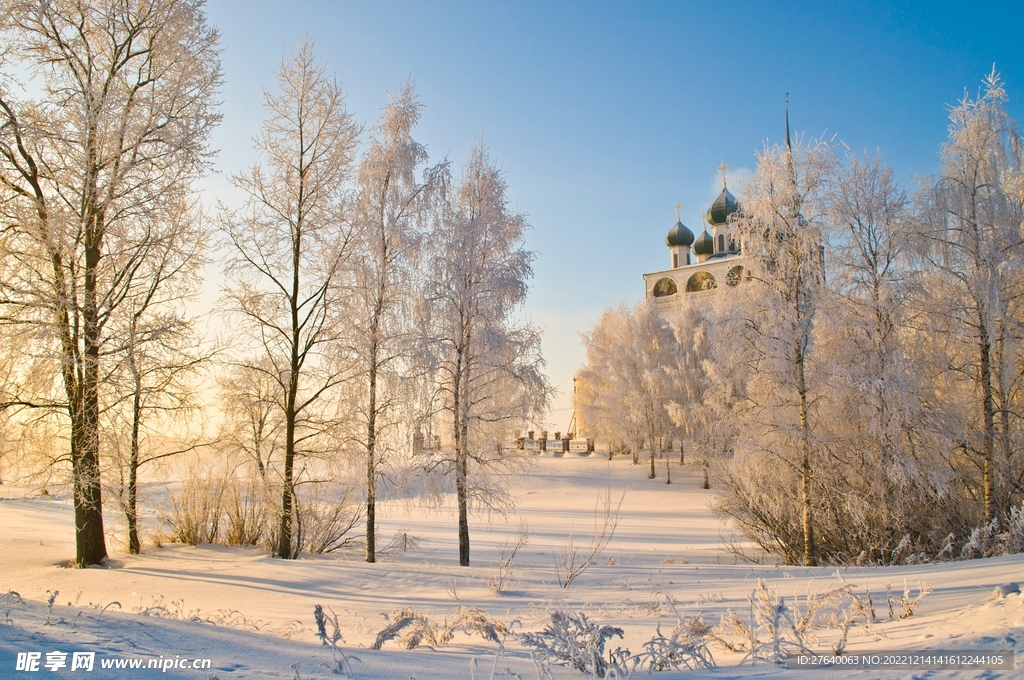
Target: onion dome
{"x": 679, "y": 235}
{"x": 704, "y": 245}
{"x": 724, "y": 206}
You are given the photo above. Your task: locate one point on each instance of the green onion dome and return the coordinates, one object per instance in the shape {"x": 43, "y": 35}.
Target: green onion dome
{"x": 704, "y": 245}
{"x": 679, "y": 235}
{"x": 724, "y": 206}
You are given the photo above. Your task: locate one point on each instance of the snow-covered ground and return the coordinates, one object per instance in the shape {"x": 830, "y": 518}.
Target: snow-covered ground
{"x": 252, "y": 616}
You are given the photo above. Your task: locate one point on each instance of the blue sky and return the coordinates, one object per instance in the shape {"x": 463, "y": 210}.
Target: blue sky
{"x": 603, "y": 116}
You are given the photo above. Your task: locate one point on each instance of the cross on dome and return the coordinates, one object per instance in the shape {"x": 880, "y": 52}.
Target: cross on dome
{"x": 678, "y": 206}
{"x": 722, "y": 168}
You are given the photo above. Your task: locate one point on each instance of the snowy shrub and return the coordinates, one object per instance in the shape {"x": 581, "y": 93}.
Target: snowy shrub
{"x": 569, "y": 561}
{"x": 685, "y": 647}
{"x": 996, "y": 537}
{"x": 327, "y": 514}
{"x": 342, "y": 664}
{"x": 775, "y": 630}
{"x": 572, "y": 639}
{"x": 507, "y": 552}
{"x": 11, "y": 599}
{"x": 473, "y": 621}
{"x": 983, "y": 541}
{"x": 401, "y": 542}
{"x": 230, "y": 618}
{"x": 248, "y": 507}
{"x": 411, "y": 629}
{"x": 1012, "y": 537}
{"x": 905, "y": 605}
{"x": 196, "y": 511}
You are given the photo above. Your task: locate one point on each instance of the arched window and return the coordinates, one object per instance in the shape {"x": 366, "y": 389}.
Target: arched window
{"x": 734, "y": 276}
{"x": 732, "y": 245}
{"x": 675, "y": 260}
{"x": 665, "y": 286}
{"x": 701, "y": 281}
{"x": 721, "y": 243}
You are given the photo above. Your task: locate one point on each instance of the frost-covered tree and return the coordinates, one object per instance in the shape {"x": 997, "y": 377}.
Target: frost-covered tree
{"x": 392, "y": 207}
{"x": 971, "y": 252}
{"x": 871, "y": 408}
{"x": 771, "y": 324}
{"x": 629, "y": 379}
{"x": 288, "y": 271}
{"x": 704, "y": 389}
{"x": 488, "y": 364}
{"x": 110, "y": 131}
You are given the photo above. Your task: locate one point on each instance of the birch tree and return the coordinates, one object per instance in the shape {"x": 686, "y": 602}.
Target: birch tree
{"x": 772, "y": 317}
{"x": 117, "y": 133}
{"x": 877, "y": 474}
{"x": 392, "y": 207}
{"x": 488, "y": 365}
{"x": 290, "y": 246}
{"x": 971, "y": 242}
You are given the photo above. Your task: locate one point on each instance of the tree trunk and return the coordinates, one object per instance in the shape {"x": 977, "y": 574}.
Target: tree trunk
{"x": 461, "y": 426}
{"x": 90, "y": 543}
{"x": 371, "y": 472}
{"x": 988, "y": 414}
{"x": 284, "y": 539}
{"x": 461, "y": 489}
{"x": 805, "y": 461}
{"x": 131, "y": 506}
{"x": 652, "y": 475}
{"x": 285, "y": 549}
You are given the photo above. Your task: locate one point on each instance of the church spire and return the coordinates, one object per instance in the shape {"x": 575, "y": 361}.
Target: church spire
{"x": 789, "y": 145}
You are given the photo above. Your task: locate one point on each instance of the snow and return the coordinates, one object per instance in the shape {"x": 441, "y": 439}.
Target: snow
{"x": 252, "y": 614}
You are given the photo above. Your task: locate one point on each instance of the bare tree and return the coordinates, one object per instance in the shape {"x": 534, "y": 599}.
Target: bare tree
{"x": 117, "y": 134}
{"x": 158, "y": 356}
{"x": 290, "y": 244}
{"x": 488, "y": 366}
{"x": 252, "y": 415}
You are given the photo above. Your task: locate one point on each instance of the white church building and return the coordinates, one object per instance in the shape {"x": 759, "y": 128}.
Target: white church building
{"x": 703, "y": 263}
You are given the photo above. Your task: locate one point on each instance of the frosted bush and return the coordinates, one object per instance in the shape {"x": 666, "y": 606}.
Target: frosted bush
{"x": 997, "y": 537}
{"x": 196, "y": 512}
{"x": 572, "y": 639}
{"x": 686, "y": 646}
